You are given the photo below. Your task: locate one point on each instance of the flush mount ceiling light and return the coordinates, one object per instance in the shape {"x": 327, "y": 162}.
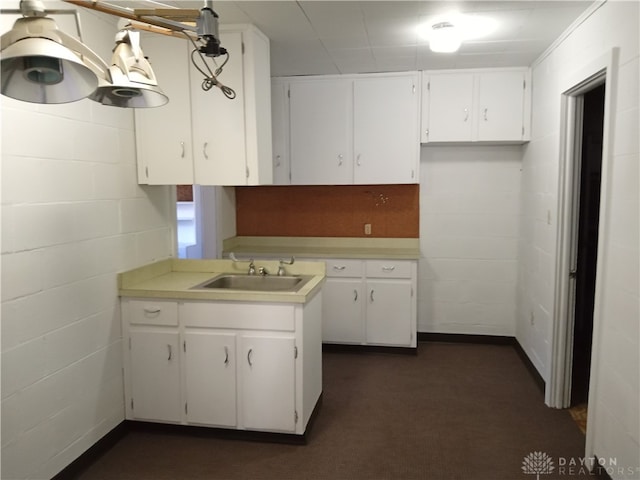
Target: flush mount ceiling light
{"x": 445, "y": 38}
{"x": 447, "y": 32}
{"x": 41, "y": 64}
{"x": 131, "y": 81}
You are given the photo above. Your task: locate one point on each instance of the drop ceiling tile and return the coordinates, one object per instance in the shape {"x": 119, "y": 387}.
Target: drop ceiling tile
{"x": 280, "y": 21}
{"x": 305, "y": 57}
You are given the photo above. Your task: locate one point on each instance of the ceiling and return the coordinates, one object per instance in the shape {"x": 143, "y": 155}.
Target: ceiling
{"x": 332, "y": 37}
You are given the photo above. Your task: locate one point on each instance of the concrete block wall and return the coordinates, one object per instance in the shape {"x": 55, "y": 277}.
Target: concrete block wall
{"x": 469, "y": 216}
{"x": 72, "y": 217}
{"x": 613, "y": 430}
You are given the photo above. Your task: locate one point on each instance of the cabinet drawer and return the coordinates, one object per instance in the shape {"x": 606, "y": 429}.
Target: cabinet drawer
{"x": 388, "y": 269}
{"x": 151, "y": 312}
{"x": 247, "y": 316}
{"x": 344, "y": 268}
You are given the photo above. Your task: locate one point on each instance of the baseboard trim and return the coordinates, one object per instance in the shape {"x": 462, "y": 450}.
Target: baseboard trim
{"x": 84, "y": 461}
{"x": 533, "y": 371}
{"x": 347, "y": 348}
{"x": 487, "y": 340}
{"x": 465, "y": 338}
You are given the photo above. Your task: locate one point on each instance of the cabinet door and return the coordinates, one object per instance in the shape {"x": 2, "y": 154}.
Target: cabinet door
{"x": 163, "y": 134}
{"x": 450, "y": 104}
{"x": 342, "y": 312}
{"x": 210, "y": 378}
{"x": 155, "y": 375}
{"x": 219, "y": 122}
{"x": 321, "y": 114}
{"x": 389, "y": 312}
{"x": 280, "y": 133}
{"x": 501, "y": 106}
{"x": 386, "y": 129}
{"x": 268, "y": 382}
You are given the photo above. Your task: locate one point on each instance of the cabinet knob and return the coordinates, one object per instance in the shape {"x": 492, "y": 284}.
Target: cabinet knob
{"x": 170, "y": 352}
{"x": 371, "y": 295}
{"x": 204, "y": 150}
{"x": 466, "y": 114}
{"x": 340, "y": 157}
{"x": 355, "y": 295}
{"x": 389, "y": 268}
{"x": 249, "y": 353}
{"x": 339, "y": 268}
{"x": 485, "y": 114}
{"x": 226, "y": 356}
{"x": 358, "y": 159}
{"x": 278, "y": 160}
{"x": 182, "y": 146}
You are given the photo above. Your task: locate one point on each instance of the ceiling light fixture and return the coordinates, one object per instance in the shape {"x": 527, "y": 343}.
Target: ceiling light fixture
{"x": 445, "y": 33}
{"x": 131, "y": 82}
{"x": 41, "y": 64}
{"x": 445, "y": 38}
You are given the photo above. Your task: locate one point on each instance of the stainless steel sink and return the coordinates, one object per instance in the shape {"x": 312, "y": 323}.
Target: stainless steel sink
{"x": 256, "y": 283}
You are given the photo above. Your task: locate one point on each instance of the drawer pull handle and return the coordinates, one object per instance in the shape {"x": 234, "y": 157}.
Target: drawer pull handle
{"x": 226, "y": 356}
{"x": 182, "y": 147}
{"x": 339, "y": 268}
{"x": 204, "y": 150}
{"x": 170, "y": 352}
{"x": 151, "y": 310}
{"x": 371, "y": 296}
{"x": 355, "y": 295}
{"x": 389, "y": 269}
{"x": 249, "y": 357}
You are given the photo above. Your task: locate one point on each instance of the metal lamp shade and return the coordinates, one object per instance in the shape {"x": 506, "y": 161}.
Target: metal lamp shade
{"x": 39, "y": 70}
{"x": 125, "y": 93}
{"x": 132, "y": 81}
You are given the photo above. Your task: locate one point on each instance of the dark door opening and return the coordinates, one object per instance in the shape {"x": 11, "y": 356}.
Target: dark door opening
{"x": 587, "y": 246}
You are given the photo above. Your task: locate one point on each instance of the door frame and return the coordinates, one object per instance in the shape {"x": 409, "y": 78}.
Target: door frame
{"x": 602, "y": 69}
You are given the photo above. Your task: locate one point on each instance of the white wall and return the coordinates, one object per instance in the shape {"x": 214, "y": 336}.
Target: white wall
{"x": 72, "y": 217}
{"x": 613, "y": 431}
{"x": 469, "y": 213}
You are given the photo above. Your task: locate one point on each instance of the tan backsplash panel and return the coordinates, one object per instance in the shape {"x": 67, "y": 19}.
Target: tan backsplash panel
{"x": 328, "y": 211}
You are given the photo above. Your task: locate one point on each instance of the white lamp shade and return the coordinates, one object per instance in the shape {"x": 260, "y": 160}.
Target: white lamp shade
{"x": 131, "y": 83}
{"x": 39, "y": 70}
{"x": 127, "y": 94}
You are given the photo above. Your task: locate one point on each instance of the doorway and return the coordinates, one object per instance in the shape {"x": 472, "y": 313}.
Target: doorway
{"x": 587, "y": 181}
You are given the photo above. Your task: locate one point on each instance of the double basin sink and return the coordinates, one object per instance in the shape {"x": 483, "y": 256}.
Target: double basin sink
{"x": 255, "y": 283}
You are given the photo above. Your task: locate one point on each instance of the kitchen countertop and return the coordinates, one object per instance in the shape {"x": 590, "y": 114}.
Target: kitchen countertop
{"x": 174, "y": 279}
{"x": 324, "y": 247}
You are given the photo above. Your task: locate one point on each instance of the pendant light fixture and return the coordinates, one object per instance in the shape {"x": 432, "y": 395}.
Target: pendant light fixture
{"x": 41, "y": 64}
{"x": 131, "y": 82}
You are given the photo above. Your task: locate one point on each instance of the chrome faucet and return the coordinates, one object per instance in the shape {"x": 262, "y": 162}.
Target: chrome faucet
{"x": 252, "y": 267}
{"x": 281, "y": 270}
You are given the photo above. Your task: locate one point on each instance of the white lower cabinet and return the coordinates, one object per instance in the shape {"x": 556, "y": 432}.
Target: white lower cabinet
{"x": 156, "y": 368}
{"x": 370, "y": 302}
{"x": 246, "y": 366}
{"x": 268, "y": 382}
{"x": 210, "y": 378}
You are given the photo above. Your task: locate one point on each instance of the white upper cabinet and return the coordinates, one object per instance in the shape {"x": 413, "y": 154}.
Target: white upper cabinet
{"x": 386, "y": 126}
{"x": 321, "y": 129}
{"x": 449, "y": 99}
{"x": 354, "y": 129}
{"x": 491, "y": 106}
{"x": 163, "y": 134}
{"x": 219, "y": 141}
{"x": 280, "y": 132}
{"x": 501, "y": 102}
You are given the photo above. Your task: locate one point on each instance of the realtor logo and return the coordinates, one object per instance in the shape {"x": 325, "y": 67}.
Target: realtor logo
{"x": 537, "y": 463}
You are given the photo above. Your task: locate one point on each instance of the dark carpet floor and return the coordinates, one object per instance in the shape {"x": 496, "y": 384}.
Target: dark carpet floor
{"x": 454, "y": 411}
